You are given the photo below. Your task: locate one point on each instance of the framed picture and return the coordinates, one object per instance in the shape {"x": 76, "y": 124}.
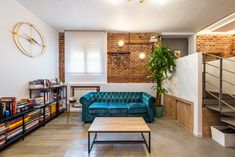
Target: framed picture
{"x": 177, "y": 53}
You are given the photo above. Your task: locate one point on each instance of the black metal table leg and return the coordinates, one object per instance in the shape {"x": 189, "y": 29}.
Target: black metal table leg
{"x": 89, "y": 142}
{"x": 149, "y": 142}
{"x": 148, "y": 146}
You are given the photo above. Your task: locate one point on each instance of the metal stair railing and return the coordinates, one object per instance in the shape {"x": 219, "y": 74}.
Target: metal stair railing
{"x": 221, "y": 79}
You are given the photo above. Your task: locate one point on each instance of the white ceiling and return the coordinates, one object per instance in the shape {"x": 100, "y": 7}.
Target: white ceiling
{"x": 224, "y": 26}
{"x": 152, "y": 15}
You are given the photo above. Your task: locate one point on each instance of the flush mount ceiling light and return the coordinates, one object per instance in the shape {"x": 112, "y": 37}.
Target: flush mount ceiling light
{"x": 116, "y": 1}
{"x": 140, "y": 1}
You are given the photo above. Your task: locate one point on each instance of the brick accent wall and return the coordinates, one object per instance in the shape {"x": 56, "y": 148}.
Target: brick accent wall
{"x": 124, "y": 65}
{"x": 61, "y": 57}
{"x": 222, "y": 45}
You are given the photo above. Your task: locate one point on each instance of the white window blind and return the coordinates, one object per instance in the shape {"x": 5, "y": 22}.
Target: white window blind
{"x": 85, "y": 57}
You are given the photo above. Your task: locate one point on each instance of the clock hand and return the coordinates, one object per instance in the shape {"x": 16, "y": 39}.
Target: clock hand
{"x": 26, "y": 38}
{"x": 32, "y": 39}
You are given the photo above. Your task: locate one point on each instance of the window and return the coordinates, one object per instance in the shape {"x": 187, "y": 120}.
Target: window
{"x": 85, "y": 57}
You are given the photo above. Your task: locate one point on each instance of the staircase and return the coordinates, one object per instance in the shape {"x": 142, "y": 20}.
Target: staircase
{"x": 219, "y": 86}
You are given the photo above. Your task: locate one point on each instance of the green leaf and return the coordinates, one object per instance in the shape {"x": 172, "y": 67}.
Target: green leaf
{"x": 162, "y": 65}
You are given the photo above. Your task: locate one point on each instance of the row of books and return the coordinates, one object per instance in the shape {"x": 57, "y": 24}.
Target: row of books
{"x": 49, "y": 97}
{"x": 40, "y": 83}
{"x": 61, "y": 94}
{"x": 15, "y": 127}
{"x": 47, "y": 113}
{"x": 33, "y": 119}
{"x": 2, "y": 133}
{"x": 24, "y": 104}
{"x": 44, "y": 83}
{"x": 7, "y": 107}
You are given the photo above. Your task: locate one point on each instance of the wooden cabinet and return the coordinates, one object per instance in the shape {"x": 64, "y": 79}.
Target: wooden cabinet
{"x": 179, "y": 109}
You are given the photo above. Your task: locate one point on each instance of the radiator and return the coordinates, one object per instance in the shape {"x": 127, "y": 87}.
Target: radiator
{"x": 79, "y": 91}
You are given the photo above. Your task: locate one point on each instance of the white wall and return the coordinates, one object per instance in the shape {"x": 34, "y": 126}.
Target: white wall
{"x": 192, "y": 40}
{"x": 187, "y": 84}
{"x": 228, "y": 64}
{"x": 17, "y": 69}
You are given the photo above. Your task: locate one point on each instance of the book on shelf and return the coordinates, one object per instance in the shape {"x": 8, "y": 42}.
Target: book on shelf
{"x": 24, "y": 104}
{"x": 30, "y": 125}
{"x": 2, "y": 142}
{"x": 7, "y": 107}
{"x": 2, "y": 128}
{"x": 53, "y": 108}
{"x": 39, "y": 84}
{"x": 34, "y": 113}
{"x": 14, "y": 132}
{"x": 15, "y": 123}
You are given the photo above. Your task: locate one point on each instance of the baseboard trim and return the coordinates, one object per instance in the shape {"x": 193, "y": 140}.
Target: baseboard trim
{"x": 197, "y": 134}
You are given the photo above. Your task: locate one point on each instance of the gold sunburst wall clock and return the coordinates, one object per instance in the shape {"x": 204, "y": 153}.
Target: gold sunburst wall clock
{"x": 29, "y": 39}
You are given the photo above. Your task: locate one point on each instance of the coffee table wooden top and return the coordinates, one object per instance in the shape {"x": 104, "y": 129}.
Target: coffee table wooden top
{"x": 119, "y": 124}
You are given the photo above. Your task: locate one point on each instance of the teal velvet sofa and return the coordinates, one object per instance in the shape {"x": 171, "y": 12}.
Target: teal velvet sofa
{"x": 117, "y": 104}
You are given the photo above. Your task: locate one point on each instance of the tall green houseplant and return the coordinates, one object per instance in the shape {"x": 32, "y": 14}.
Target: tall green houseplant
{"x": 162, "y": 64}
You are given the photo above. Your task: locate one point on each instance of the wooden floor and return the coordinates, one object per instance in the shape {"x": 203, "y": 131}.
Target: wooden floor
{"x": 59, "y": 139}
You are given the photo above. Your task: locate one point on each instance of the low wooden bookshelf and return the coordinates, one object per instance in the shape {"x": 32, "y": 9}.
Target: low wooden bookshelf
{"x": 28, "y": 124}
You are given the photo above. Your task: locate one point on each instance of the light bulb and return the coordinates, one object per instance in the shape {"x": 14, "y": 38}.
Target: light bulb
{"x": 115, "y": 2}
{"x": 162, "y": 1}
{"x": 142, "y": 55}
{"x": 121, "y": 43}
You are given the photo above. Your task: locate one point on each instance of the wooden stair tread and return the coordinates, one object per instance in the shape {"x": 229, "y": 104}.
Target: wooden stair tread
{"x": 224, "y": 108}
{"x": 230, "y": 121}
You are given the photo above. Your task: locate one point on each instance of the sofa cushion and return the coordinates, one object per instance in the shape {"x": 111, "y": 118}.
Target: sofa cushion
{"x": 99, "y": 108}
{"x": 137, "y": 108}
{"x": 117, "y": 108}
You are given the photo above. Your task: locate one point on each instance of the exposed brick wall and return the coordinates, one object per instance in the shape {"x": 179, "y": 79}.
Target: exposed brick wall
{"x": 61, "y": 57}
{"x": 222, "y": 45}
{"x": 124, "y": 64}
{"x": 233, "y": 44}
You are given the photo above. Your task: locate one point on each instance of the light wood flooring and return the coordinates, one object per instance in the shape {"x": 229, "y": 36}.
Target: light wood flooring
{"x": 59, "y": 139}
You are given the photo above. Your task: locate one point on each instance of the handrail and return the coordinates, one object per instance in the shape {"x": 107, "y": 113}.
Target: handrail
{"x": 212, "y": 85}
{"x": 212, "y": 65}
{"x": 229, "y": 71}
{"x": 229, "y": 60}
{"x": 229, "y": 83}
{"x": 219, "y": 78}
{"x": 209, "y": 54}
{"x": 212, "y": 75}
{"x": 221, "y": 69}
{"x": 218, "y": 57}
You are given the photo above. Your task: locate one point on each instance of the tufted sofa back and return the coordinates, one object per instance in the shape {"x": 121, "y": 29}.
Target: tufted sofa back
{"x": 116, "y": 97}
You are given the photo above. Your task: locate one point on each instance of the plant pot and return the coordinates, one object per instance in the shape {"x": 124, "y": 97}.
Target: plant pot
{"x": 158, "y": 111}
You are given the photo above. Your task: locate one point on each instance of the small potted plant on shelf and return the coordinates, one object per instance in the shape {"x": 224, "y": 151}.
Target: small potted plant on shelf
{"x": 162, "y": 65}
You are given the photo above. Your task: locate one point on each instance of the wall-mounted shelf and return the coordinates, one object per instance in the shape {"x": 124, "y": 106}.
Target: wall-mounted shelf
{"x": 140, "y": 44}
{"x": 119, "y": 52}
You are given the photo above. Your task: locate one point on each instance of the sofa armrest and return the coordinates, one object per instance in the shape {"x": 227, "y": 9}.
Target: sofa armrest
{"x": 149, "y": 101}
{"x": 86, "y": 101}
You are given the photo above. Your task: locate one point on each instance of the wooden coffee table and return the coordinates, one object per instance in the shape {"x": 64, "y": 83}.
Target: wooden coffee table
{"x": 119, "y": 125}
